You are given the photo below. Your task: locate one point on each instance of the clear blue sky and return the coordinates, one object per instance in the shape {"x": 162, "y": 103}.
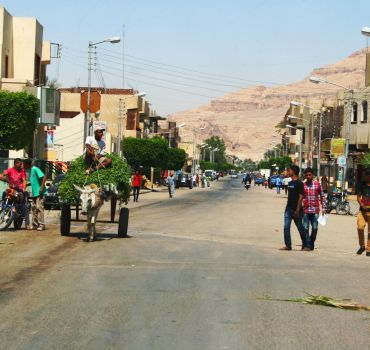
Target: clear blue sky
{"x": 253, "y": 40}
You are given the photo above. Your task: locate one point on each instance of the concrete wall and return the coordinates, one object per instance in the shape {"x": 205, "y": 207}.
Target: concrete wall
{"x": 109, "y": 109}
{"x": 360, "y": 130}
{"x": 21, "y": 39}
{"x": 6, "y": 41}
{"x": 69, "y": 135}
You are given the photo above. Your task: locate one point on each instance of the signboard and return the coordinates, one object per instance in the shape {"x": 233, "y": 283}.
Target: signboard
{"x": 49, "y": 140}
{"x": 49, "y": 105}
{"x": 342, "y": 161}
{"x": 95, "y": 100}
{"x": 337, "y": 147}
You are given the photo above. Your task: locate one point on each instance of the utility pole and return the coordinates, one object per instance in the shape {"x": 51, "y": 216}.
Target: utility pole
{"x": 121, "y": 109}
{"x": 87, "y": 131}
{"x": 348, "y": 133}
{"x": 300, "y": 147}
{"x": 319, "y": 147}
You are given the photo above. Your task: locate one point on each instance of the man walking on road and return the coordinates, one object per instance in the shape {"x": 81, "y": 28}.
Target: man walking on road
{"x": 136, "y": 185}
{"x": 171, "y": 184}
{"x": 363, "y": 217}
{"x": 313, "y": 197}
{"x": 278, "y": 184}
{"x": 293, "y": 210}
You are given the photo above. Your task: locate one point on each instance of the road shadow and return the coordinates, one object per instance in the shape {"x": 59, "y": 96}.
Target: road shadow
{"x": 99, "y": 238}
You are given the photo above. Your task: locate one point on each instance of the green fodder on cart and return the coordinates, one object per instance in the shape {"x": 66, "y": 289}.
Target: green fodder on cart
{"x": 117, "y": 174}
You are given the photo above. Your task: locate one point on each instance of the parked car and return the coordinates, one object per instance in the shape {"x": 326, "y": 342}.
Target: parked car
{"x": 273, "y": 180}
{"x": 51, "y": 198}
{"x": 259, "y": 181}
{"x": 184, "y": 180}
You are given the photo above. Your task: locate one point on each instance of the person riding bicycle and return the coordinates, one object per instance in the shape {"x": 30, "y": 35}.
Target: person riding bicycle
{"x": 16, "y": 177}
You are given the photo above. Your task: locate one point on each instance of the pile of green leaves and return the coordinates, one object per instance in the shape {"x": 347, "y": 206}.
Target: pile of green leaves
{"x": 365, "y": 160}
{"x": 118, "y": 174}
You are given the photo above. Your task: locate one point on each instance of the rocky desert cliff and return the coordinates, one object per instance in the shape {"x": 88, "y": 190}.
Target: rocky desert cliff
{"x": 247, "y": 119}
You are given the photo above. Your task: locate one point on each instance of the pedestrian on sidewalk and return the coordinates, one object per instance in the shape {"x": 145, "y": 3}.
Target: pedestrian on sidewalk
{"x": 136, "y": 185}
{"x": 37, "y": 180}
{"x": 363, "y": 217}
{"x": 286, "y": 181}
{"x": 293, "y": 210}
{"x": 312, "y": 199}
{"x": 324, "y": 184}
{"x": 171, "y": 184}
{"x": 278, "y": 184}
{"x": 197, "y": 179}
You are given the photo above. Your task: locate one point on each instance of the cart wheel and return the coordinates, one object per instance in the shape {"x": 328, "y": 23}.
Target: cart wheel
{"x": 123, "y": 222}
{"x": 65, "y": 220}
{"x": 113, "y": 206}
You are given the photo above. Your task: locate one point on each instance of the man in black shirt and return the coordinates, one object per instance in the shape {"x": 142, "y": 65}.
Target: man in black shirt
{"x": 293, "y": 210}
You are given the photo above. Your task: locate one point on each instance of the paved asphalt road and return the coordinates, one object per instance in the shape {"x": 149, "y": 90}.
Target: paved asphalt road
{"x": 190, "y": 278}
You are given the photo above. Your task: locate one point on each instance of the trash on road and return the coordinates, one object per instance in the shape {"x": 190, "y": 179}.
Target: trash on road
{"x": 346, "y": 304}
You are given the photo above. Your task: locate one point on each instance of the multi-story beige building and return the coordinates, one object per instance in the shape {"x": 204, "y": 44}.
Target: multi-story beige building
{"x": 24, "y": 57}
{"x": 24, "y": 54}
{"x": 133, "y": 109}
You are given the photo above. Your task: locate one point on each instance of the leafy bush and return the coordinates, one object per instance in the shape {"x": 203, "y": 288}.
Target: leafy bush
{"x": 118, "y": 174}
{"x": 176, "y": 158}
{"x": 146, "y": 153}
{"x": 18, "y": 114}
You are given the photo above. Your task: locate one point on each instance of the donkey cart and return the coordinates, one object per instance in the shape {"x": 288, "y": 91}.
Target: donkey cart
{"x": 66, "y": 217}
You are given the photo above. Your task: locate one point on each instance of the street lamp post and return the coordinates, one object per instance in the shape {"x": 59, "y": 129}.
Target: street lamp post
{"x": 113, "y": 40}
{"x": 318, "y": 80}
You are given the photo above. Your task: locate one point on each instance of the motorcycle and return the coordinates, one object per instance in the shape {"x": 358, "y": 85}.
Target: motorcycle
{"x": 338, "y": 201}
{"x": 12, "y": 209}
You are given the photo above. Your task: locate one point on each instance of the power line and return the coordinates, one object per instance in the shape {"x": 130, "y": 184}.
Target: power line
{"x": 167, "y": 72}
{"x": 194, "y": 70}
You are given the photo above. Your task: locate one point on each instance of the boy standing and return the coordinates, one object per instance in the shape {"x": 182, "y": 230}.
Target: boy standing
{"x": 293, "y": 210}
{"x": 363, "y": 217}
{"x": 313, "y": 197}
{"x": 37, "y": 179}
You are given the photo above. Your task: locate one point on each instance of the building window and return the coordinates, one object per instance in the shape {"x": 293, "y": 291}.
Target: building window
{"x": 6, "y": 73}
{"x": 354, "y": 113}
{"x": 364, "y": 112}
{"x": 37, "y": 70}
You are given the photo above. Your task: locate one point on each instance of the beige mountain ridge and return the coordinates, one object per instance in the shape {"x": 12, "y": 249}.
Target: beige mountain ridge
{"x": 246, "y": 119}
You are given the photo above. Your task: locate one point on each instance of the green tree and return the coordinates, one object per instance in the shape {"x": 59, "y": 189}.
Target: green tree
{"x": 216, "y": 142}
{"x": 146, "y": 153}
{"x": 176, "y": 158}
{"x": 207, "y": 165}
{"x": 18, "y": 116}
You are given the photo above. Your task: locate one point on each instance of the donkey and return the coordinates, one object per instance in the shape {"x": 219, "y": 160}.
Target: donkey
{"x": 91, "y": 201}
